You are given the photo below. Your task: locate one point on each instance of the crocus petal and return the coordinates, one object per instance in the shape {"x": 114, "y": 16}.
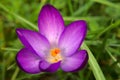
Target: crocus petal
{"x": 27, "y": 61}
{"x": 72, "y": 37}
{"x": 75, "y": 62}
{"x": 33, "y": 41}
{"x": 50, "y": 23}
{"x": 49, "y": 67}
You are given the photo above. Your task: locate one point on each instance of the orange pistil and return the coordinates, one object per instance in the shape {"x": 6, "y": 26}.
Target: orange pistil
{"x": 55, "y": 55}
{"x": 55, "y": 52}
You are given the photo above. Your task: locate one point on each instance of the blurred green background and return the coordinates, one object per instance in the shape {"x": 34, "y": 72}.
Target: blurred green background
{"x": 103, "y": 37}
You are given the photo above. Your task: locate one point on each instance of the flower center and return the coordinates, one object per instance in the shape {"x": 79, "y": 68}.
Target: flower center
{"x": 55, "y": 55}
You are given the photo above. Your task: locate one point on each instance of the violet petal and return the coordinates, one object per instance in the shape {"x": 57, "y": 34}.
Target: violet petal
{"x": 49, "y": 67}
{"x": 50, "y": 23}
{"x": 75, "y": 62}
{"x": 72, "y": 37}
{"x": 27, "y": 61}
{"x": 33, "y": 41}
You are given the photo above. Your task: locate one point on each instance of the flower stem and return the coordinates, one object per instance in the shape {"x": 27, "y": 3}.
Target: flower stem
{"x": 93, "y": 64}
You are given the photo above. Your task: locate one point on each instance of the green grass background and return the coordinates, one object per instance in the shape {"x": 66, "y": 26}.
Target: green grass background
{"x": 102, "y": 41}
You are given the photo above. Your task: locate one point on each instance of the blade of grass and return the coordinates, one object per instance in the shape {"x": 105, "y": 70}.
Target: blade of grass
{"x": 113, "y": 50}
{"x": 108, "y": 3}
{"x": 93, "y": 64}
{"x": 10, "y": 49}
{"x": 83, "y": 8}
{"x": 15, "y": 74}
{"x": 70, "y": 6}
{"x": 3, "y": 68}
{"x": 116, "y": 24}
{"x": 11, "y": 66}
{"x": 26, "y": 76}
{"x": 18, "y": 17}
{"x": 113, "y": 58}
{"x": 40, "y": 6}
{"x": 89, "y": 18}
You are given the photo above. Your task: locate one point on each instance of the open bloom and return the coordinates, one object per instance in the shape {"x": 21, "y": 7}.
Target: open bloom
{"x": 54, "y": 45}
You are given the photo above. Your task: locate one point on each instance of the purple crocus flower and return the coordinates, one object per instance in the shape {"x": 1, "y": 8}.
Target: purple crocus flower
{"x": 54, "y": 45}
